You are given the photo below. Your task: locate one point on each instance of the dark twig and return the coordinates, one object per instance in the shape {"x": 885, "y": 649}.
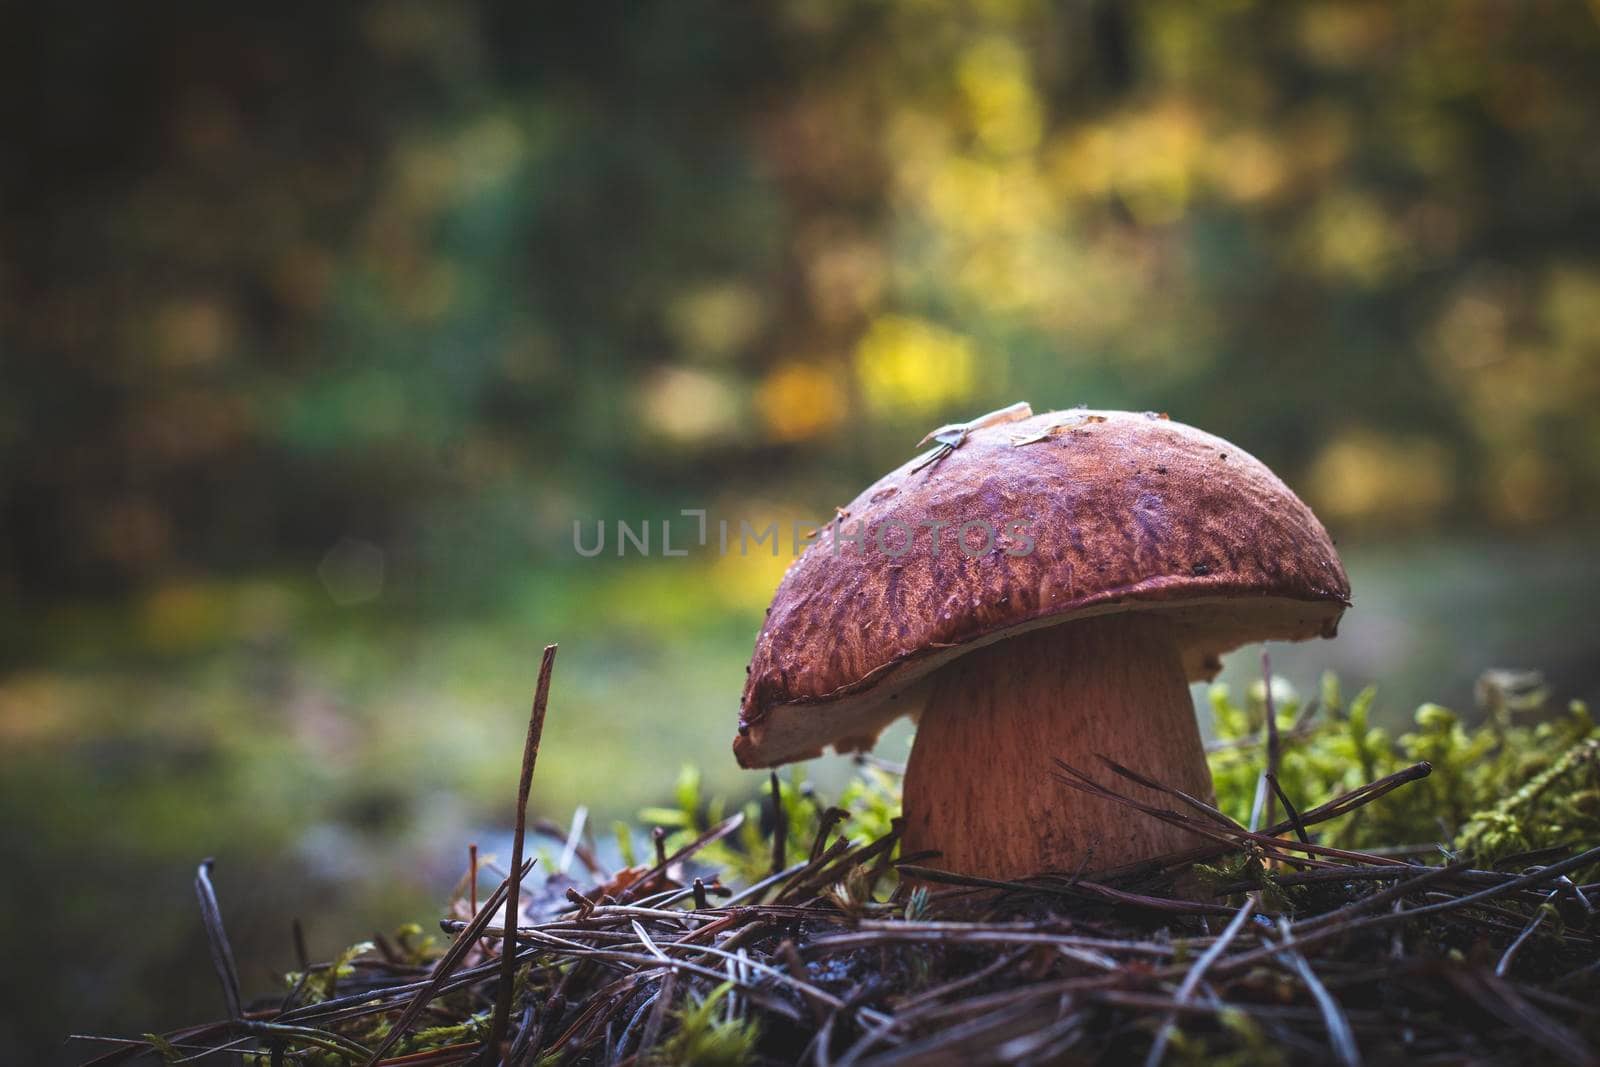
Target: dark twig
{"x": 1504, "y": 966}
{"x": 1210, "y": 811}
{"x": 1330, "y": 931}
{"x": 217, "y": 938}
{"x": 826, "y": 822}
{"x": 1288, "y": 809}
{"x": 297, "y": 933}
{"x": 1274, "y": 744}
{"x": 716, "y": 833}
{"x": 780, "y": 826}
{"x": 658, "y": 837}
{"x": 1339, "y": 1033}
{"x": 508, "y": 953}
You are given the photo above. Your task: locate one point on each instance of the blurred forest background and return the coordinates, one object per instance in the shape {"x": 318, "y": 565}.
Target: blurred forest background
{"x": 321, "y": 323}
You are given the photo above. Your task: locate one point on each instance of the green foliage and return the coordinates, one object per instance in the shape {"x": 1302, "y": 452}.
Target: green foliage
{"x": 624, "y": 836}
{"x": 1526, "y": 778}
{"x": 164, "y": 1048}
{"x": 705, "y": 1037}
{"x": 872, "y": 802}
{"x": 322, "y": 984}
{"x": 473, "y": 1028}
{"x": 1561, "y": 800}
{"x": 1247, "y": 867}
{"x": 416, "y": 946}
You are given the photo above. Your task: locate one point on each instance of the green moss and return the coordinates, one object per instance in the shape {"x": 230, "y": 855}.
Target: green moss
{"x": 1524, "y": 779}
{"x": 705, "y": 1037}
{"x": 322, "y": 984}
{"x": 871, "y": 803}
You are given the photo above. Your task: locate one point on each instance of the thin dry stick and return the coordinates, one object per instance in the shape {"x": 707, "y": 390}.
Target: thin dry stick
{"x": 574, "y": 838}
{"x": 1233, "y": 838}
{"x": 298, "y": 933}
{"x": 442, "y": 971}
{"x": 217, "y": 938}
{"x": 716, "y": 833}
{"x": 1258, "y": 806}
{"x": 508, "y": 950}
{"x": 1426, "y": 876}
{"x": 1502, "y": 968}
{"x": 1328, "y": 933}
{"x": 1274, "y": 745}
{"x": 780, "y": 826}
{"x": 1289, "y": 810}
{"x": 1340, "y": 1036}
{"x": 1210, "y": 811}
{"x": 652, "y": 1028}
{"x": 757, "y": 888}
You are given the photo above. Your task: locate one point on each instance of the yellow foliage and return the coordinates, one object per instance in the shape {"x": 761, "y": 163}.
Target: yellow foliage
{"x": 995, "y": 78}
{"x": 1368, "y": 476}
{"x": 744, "y": 577}
{"x": 912, "y": 366}
{"x": 800, "y": 400}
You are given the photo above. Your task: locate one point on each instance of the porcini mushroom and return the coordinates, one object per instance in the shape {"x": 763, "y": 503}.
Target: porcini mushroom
{"x": 1039, "y": 587}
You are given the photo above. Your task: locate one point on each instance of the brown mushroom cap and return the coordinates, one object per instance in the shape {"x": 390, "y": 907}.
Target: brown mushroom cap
{"x": 1126, "y": 511}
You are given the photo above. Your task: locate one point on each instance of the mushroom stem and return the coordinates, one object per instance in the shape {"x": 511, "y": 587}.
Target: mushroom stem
{"x": 978, "y": 786}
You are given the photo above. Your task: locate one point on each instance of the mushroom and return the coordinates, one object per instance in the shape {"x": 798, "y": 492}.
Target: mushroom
{"x": 1045, "y": 586}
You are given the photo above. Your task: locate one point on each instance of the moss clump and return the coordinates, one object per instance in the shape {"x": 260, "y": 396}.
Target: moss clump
{"x": 1525, "y": 779}
{"x": 705, "y": 1038}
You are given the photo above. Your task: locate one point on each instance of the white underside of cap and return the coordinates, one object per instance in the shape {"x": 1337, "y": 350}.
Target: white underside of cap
{"x": 1206, "y": 628}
